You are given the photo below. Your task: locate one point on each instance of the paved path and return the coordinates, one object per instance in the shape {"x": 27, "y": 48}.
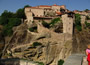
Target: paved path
{"x": 74, "y": 59}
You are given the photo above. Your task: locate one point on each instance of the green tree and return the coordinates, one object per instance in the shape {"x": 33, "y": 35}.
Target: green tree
{"x": 20, "y": 13}
{"x": 7, "y": 31}
{"x": 7, "y": 14}
{"x": 3, "y": 21}
{"x": 26, "y": 6}
{"x": 14, "y": 21}
{"x": 86, "y": 10}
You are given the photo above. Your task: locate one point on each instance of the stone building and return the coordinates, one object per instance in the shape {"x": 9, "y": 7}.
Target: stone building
{"x": 47, "y": 13}
{"x": 43, "y": 11}
{"x": 67, "y": 24}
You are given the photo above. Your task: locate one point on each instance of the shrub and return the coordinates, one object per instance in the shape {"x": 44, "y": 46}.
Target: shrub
{"x": 45, "y": 24}
{"x": 60, "y": 62}
{"x": 33, "y": 29}
{"x": 87, "y": 17}
{"x": 79, "y": 28}
{"x": 40, "y": 63}
{"x": 36, "y": 44}
{"x": 54, "y": 21}
{"x": 87, "y": 24}
{"x": 78, "y": 22}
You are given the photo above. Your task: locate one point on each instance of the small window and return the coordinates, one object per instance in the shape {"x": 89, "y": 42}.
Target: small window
{"x": 30, "y": 10}
{"x": 68, "y": 28}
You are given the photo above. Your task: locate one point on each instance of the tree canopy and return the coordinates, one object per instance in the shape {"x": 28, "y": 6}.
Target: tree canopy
{"x": 9, "y": 20}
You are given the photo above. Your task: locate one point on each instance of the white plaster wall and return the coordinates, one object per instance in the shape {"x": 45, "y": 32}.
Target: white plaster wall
{"x": 37, "y": 12}
{"x": 56, "y": 8}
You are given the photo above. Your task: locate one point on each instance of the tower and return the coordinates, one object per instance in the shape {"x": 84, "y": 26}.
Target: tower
{"x": 67, "y": 24}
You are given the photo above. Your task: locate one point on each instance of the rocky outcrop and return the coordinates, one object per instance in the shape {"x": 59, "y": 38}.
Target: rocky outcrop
{"x": 17, "y": 61}
{"x": 2, "y": 40}
{"x": 44, "y": 45}
{"x": 80, "y": 40}
{"x": 84, "y": 61}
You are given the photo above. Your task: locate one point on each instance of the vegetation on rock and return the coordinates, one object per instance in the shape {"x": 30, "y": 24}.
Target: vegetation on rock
{"x": 36, "y": 44}
{"x": 9, "y": 20}
{"x": 87, "y": 24}
{"x": 45, "y": 24}
{"x": 87, "y": 17}
{"x": 40, "y": 63}
{"x": 33, "y": 29}
{"x": 52, "y": 23}
{"x": 78, "y": 22}
{"x": 60, "y": 62}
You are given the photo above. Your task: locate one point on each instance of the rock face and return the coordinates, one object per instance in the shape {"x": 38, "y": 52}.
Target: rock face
{"x": 16, "y": 62}
{"x": 44, "y": 45}
{"x": 2, "y": 40}
{"x": 80, "y": 40}
{"x": 84, "y": 61}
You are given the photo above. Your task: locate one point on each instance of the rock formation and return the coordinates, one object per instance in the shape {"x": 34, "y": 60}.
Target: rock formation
{"x": 43, "y": 46}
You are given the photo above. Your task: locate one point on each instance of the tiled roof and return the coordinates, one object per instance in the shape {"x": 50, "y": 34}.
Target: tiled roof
{"x": 55, "y": 5}
{"x": 33, "y": 7}
{"x": 59, "y": 13}
{"x": 44, "y": 6}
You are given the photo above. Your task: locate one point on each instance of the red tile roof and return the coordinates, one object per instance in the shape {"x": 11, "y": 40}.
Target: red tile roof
{"x": 33, "y": 7}
{"x": 55, "y": 5}
{"x": 59, "y": 13}
{"x": 44, "y": 6}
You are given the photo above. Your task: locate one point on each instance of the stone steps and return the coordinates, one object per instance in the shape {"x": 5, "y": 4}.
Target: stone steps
{"x": 74, "y": 59}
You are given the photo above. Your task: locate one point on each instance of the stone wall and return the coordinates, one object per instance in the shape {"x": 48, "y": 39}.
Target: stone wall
{"x": 88, "y": 21}
{"x": 83, "y": 18}
{"x": 56, "y": 8}
{"x": 67, "y": 24}
{"x": 16, "y": 62}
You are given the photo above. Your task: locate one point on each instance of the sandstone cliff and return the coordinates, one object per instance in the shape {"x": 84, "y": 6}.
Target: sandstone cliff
{"x": 80, "y": 41}
{"x": 44, "y": 45}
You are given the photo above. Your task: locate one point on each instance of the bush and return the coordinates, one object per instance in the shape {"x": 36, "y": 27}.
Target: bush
{"x": 87, "y": 24}
{"x": 78, "y": 22}
{"x": 40, "y": 63}
{"x": 60, "y": 62}
{"x": 54, "y": 21}
{"x": 79, "y": 28}
{"x": 36, "y": 44}
{"x": 87, "y": 17}
{"x": 45, "y": 24}
{"x": 33, "y": 29}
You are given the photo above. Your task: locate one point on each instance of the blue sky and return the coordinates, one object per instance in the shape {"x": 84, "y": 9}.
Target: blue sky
{"x": 13, "y": 5}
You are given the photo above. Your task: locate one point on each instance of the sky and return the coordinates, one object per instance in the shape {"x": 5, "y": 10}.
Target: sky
{"x": 13, "y": 5}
